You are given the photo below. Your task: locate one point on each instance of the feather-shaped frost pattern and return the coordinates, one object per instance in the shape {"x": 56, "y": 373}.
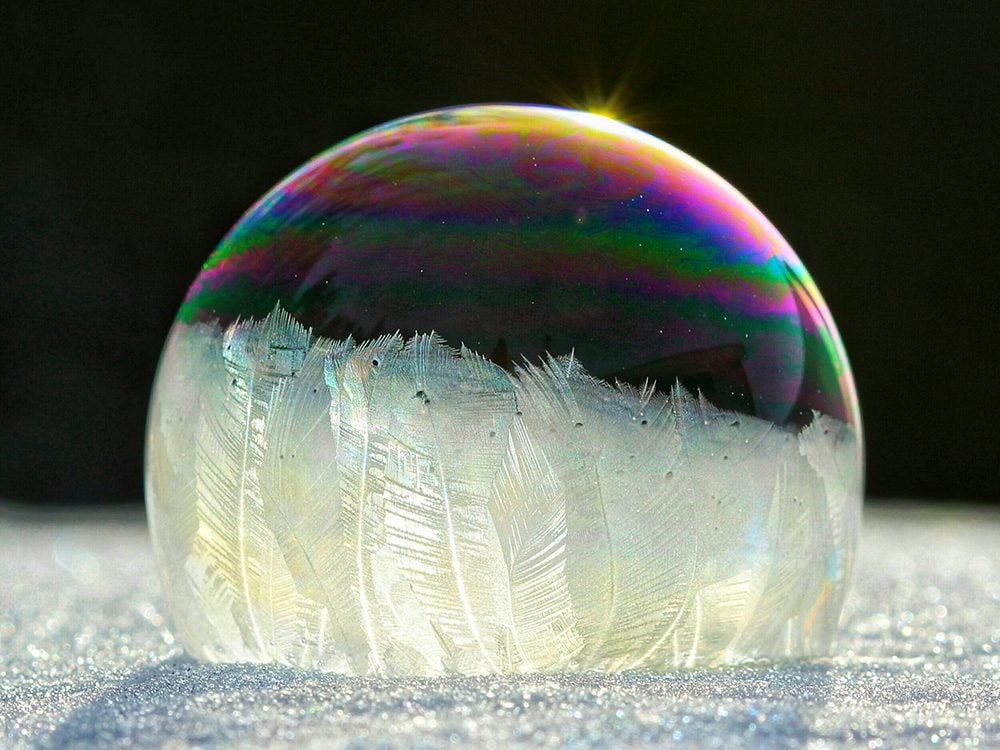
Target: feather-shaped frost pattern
{"x": 352, "y": 375}
{"x": 528, "y": 507}
{"x": 553, "y": 418}
{"x": 642, "y": 468}
{"x": 831, "y": 448}
{"x": 301, "y": 495}
{"x": 243, "y": 572}
{"x": 732, "y": 461}
{"x": 441, "y": 413}
{"x": 190, "y": 355}
{"x": 793, "y": 578}
{"x": 399, "y": 507}
{"x": 833, "y": 451}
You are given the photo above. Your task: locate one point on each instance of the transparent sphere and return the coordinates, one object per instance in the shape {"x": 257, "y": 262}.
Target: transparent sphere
{"x": 501, "y": 389}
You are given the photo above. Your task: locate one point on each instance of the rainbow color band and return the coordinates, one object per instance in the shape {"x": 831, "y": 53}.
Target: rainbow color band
{"x": 518, "y": 230}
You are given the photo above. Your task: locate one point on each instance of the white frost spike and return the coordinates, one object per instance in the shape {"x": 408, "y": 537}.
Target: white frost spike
{"x": 833, "y": 451}
{"x": 725, "y": 454}
{"x": 435, "y": 411}
{"x": 244, "y": 578}
{"x": 529, "y": 511}
{"x": 632, "y": 444}
{"x": 301, "y": 490}
{"x": 553, "y": 421}
{"x": 193, "y": 359}
{"x": 352, "y": 375}
{"x": 396, "y": 507}
{"x": 794, "y": 571}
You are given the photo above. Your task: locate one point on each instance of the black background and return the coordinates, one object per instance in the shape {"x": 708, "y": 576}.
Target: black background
{"x": 134, "y": 136}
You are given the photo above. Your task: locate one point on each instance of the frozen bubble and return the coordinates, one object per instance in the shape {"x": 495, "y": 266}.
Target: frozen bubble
{"x": 503, "y": 389}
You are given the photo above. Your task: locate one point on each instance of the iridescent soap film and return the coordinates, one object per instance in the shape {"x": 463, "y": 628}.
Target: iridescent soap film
{"x": 503, "y": 389}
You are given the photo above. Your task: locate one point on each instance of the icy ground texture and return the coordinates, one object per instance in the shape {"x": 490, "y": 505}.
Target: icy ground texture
{"x": 87, "y": 659}
{"x": 399, "y": 508}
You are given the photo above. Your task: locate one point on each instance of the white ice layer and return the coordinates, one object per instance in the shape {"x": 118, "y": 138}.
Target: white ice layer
{"x": 401, "y": 508}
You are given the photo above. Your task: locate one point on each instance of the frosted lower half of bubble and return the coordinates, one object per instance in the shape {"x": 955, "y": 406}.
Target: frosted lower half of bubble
{"x": 401, "y": 508}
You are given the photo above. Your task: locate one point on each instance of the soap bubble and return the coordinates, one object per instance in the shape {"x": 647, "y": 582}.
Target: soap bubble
{"x": 503, "y": 388}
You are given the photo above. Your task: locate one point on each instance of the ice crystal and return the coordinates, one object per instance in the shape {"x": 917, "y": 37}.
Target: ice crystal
{"x": 398, "y": 507}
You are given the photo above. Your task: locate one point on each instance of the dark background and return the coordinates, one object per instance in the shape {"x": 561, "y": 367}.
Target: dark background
{"x": 132, "y": 137}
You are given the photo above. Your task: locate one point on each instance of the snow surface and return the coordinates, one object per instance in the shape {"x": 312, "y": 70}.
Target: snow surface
{"x": 87, "y": 659}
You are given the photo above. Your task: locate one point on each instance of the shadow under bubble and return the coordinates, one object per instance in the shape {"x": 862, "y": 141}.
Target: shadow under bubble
{"x": 187, "y": 701}
{"x": 183, "y": 702}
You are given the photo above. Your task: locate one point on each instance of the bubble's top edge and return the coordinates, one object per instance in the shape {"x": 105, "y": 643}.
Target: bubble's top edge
{"x": 534, "y": 117}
